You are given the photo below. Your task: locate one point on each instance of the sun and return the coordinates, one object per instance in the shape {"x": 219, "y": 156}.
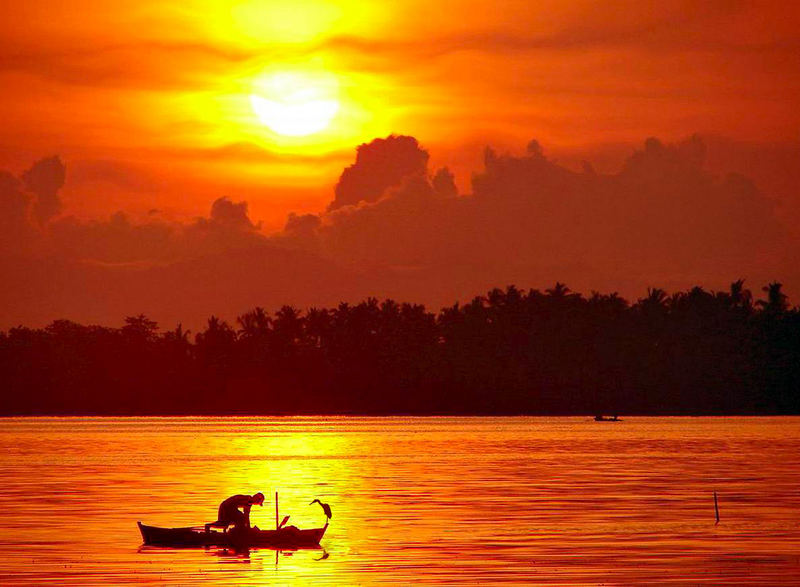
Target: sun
{"x": 296, "y": 104}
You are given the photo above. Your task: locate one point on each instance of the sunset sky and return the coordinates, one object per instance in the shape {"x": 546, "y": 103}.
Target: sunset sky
{"x": 159, "y": 109}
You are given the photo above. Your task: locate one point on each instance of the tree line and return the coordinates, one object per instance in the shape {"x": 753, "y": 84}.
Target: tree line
{"x": 508, "y": 352}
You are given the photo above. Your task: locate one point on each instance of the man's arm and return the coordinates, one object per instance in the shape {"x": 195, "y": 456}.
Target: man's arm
{"x": 247, "y": 513}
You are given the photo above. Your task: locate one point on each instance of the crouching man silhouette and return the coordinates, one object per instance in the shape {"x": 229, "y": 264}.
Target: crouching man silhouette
{"x": 235, "y": 511}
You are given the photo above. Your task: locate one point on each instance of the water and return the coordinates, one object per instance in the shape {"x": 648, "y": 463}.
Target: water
{"x": 429, "y": 500}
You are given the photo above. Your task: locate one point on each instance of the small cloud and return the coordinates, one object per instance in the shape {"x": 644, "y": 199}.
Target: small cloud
{"x": 45, "y": 178}
{"x": 234, "y": 214}
{"x": 380, "y": 164}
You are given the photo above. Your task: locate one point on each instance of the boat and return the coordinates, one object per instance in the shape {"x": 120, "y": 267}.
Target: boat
{"x": 286, "y": 537}
{"x": 282, "y": 537}
{"x": 604, "y": 419}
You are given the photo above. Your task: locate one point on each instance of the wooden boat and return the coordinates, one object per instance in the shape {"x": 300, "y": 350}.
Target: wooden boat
{"x": 604, "y": 419}
{"x": 287, "y": 537}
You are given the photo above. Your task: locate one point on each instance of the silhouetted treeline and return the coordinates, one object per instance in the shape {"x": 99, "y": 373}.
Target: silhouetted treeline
{"x": 512, "y": 351}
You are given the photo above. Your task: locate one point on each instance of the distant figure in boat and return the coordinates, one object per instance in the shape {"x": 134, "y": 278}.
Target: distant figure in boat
{"x": 235, "y": 511}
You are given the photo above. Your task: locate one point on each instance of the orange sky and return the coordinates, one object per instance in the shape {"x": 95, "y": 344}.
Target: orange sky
{"x": 149, "y": 105}
{"x": 148, "y": 102}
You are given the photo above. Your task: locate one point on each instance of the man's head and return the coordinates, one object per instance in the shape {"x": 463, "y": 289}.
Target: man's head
{"x": 258, "y": 498}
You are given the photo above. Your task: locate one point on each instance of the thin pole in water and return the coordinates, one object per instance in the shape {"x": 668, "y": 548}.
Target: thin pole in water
{"x": 278, "y": 527}
{"x": 716, "y": 507}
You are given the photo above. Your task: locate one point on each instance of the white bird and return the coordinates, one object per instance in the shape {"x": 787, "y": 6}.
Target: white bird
{"x": 325, "y": 507}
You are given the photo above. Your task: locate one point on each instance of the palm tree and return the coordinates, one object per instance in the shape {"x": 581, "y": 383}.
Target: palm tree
{"x": 254, "y": 324}
{"x": 177, "y": 341}
{"x": 215, "y": 344}
{"x": 389, "y": 308}
{"x": 317, "y": 326}
{"x": 287, "y": 327}
{"x": 655, "y": 300}
{"x": 740, "y": 297}
{"x": 139, "y": 328}
{"x": 776, "y": 300}
{"x": 559, "y": 291}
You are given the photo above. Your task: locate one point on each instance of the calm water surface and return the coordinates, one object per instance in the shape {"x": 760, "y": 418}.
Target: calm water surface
{"x": 433, "y": 500}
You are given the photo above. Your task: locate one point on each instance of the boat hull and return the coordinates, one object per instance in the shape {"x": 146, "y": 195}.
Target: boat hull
{"x": 285, "y": 538}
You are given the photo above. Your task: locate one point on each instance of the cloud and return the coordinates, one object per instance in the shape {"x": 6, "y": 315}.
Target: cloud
{"x": 662, "y": 218}
{"x": 228, "y": 213}
{"x": 154, "y": 240}
{"x": 118, "y": 240}
{"x": 154, "y": 54}
{"x": 380, "y": 164}
{"x": 672, "y": 28}
{"x": 45, "y": 179}
{"x": 16, "y": 228}
{"x": 398, "y": 228}
{"x": 137, "y": 64}
{"x": 28, "y": 203}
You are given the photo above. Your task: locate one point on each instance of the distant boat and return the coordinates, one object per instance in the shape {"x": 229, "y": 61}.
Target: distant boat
{"x": 600, "y": 418}
{"x": 289, "y": 537}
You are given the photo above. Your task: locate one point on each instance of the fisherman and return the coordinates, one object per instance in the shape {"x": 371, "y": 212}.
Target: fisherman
{"x": 236, "y": 511}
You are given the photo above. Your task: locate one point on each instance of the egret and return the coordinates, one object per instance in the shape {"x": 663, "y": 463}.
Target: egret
{"x": 325, "y": 507}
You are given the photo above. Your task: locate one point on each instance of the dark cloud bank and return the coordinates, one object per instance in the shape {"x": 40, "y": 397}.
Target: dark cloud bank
{"x": 397, "y": 228}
